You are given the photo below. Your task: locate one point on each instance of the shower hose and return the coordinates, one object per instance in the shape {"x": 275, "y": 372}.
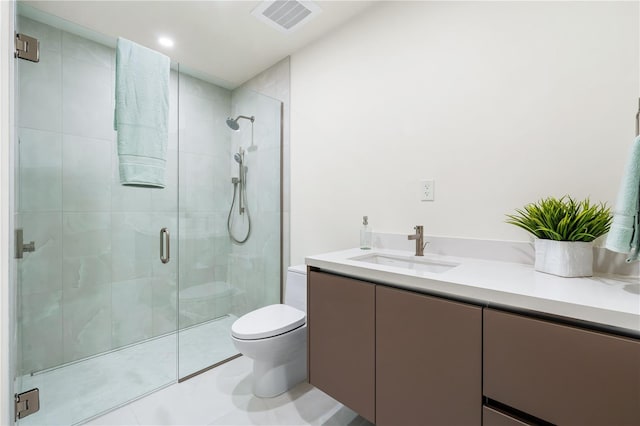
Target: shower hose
{"x": 243, "y": 195}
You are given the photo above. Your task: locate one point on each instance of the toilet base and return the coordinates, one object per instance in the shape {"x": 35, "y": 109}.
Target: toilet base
{"x": 271, "y": 380}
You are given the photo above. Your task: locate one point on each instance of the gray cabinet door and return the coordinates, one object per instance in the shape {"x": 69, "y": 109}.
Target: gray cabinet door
{"x": 562, "y": 374}
{"x": 341, "y": 321}
{"x": 428, "y": 360}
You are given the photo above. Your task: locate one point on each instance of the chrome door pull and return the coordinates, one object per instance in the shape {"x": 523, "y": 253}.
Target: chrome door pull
{"x": 165, "y": 240}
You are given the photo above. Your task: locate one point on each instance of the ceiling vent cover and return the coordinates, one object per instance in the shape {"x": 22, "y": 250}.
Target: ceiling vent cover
{"x": 286, "y": 15}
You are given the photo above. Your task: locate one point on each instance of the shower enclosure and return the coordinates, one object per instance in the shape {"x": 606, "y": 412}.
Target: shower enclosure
{"x": 101, "y": 320}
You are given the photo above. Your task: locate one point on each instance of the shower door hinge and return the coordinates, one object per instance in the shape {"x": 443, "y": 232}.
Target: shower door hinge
{"x": 21, "y": 246}
{"x": 27, "y": 403}
{"x": 27, "y": 48}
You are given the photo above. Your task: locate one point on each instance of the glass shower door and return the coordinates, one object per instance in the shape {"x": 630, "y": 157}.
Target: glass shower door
{"x": 230, "y": 216}
{"x": 96, "y": 305}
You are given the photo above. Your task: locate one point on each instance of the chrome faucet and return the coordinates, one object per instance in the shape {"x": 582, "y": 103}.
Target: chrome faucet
{"x": 419, "y": 237}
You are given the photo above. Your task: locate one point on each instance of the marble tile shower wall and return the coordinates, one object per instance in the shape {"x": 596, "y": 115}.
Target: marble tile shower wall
{"x": 276, "y": 83}
{"x": 65, "y": 285}
{"x": 95, "y": 283}
{"x": 255, "y": 265}
{"x": 205, "y": 196}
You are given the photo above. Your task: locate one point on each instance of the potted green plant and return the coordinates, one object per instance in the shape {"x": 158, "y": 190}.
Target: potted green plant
{"x": 564, "y": 229}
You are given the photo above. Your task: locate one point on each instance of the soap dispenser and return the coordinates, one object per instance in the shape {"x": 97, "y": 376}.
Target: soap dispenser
{"x": 365, "y": 234}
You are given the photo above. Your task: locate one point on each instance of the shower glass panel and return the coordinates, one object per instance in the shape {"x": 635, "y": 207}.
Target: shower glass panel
{"x": 221, "y": 279}
{"x": 100, "y": 319}
{"x": 97, "y": 315}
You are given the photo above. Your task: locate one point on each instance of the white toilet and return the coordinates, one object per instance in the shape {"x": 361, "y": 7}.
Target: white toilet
{"x": 275, "y": 337}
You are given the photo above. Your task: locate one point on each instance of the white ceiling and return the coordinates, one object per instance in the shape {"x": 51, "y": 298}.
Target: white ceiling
{"x": 218, "y": 40}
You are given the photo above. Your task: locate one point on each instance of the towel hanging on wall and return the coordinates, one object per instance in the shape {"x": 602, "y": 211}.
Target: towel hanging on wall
{"x": 141, "y": 114}
{"x": 624, "y": 236}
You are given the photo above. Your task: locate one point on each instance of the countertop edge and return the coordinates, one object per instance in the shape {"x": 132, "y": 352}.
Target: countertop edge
{"x": 593, "y": 317}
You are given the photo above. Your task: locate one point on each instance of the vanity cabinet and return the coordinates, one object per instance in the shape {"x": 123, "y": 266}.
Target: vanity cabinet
{"x": 399, "y": 357}
{"x": 428, "y": 360}
{"x": 560, "y": 373}
{"x": 341, "y": 340}
{"x": 394, "y": 356}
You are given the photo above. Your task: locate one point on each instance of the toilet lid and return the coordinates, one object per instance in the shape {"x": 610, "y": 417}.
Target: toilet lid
{"x": 267, "y": 322}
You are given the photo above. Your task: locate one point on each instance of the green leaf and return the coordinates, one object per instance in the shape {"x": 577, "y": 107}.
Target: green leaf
{"x": 563, "y": 219}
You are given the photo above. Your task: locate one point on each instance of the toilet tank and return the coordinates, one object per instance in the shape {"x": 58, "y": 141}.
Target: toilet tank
{"x": 295, "y": 293}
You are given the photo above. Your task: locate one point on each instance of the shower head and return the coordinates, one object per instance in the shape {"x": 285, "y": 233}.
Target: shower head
{"x": 238, "y": 157}
{"x": 233, "y": 122}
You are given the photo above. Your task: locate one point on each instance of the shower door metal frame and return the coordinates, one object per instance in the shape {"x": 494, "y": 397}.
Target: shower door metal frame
{"x": 8, "y": 320}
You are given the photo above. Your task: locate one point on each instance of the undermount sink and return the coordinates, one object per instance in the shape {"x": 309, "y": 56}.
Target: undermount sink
{"x": 406, "y": 262}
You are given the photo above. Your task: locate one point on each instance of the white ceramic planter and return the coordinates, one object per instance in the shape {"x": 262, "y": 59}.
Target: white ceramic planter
{"x": 564, "y": 258}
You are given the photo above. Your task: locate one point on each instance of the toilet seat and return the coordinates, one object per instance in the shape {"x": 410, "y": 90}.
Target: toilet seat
{"x": 268, "y": 321}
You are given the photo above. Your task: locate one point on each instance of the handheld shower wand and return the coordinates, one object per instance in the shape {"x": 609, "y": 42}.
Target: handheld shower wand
{"x": 239, "y": 157}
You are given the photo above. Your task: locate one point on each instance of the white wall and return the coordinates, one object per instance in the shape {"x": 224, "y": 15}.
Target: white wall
{"x": 501, "y": 103}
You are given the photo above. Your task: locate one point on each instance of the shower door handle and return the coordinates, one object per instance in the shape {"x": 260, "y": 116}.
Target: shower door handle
{"x": 165, "y": 241}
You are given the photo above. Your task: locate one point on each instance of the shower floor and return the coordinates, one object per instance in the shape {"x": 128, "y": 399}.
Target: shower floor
{"x": 76, "y": 392}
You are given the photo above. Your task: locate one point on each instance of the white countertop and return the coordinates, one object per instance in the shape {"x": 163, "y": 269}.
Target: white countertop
{"x": 609, "y": 301}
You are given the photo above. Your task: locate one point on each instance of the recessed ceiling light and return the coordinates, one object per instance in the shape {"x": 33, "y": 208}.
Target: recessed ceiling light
{"x": 165, "y": 41}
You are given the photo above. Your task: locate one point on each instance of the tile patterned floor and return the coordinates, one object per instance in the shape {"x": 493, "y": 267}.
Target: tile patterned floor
{"x": 205, "y": 344}
{"x": 223, "y": 396}
{"x": 75, "y": 392}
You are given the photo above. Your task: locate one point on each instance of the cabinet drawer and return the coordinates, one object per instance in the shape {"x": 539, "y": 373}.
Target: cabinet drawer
{"x": 491, "y": 417}
{"x": 341, "y": 327}
{"x": 559, "y": 373}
